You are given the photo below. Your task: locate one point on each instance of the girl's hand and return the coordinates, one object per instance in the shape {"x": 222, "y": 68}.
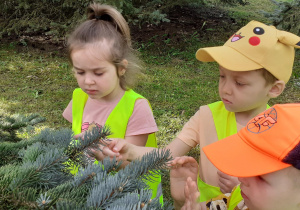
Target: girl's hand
{"x": 106, "y": 151}
{"x": 117, "y": 147}
{"x": 226, "y": 182}
{"x": 81, "y": 135}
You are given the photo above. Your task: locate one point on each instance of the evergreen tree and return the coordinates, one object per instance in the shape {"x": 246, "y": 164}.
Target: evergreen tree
{"x": 34, "y": 172}
{"x": 10, "y": 143}
{"x": 286, "y": 16}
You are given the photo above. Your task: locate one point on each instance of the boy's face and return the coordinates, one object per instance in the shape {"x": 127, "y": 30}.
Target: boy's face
{"x": 243, "y": 91}
{"x": 273, "y": 191}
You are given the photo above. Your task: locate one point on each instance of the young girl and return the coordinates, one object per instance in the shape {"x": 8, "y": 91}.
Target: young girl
{"x": 105, "y": 68}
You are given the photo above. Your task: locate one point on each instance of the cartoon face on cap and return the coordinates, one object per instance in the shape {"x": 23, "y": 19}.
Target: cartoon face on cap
{"x": 254, "y": 39}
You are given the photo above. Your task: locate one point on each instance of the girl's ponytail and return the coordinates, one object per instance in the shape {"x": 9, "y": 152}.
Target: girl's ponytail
{"x": 107, "y": 13}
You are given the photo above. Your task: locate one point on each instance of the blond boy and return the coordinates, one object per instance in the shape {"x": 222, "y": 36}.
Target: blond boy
{"x": 265, "y": 155}
{"x": 255, "y": 64}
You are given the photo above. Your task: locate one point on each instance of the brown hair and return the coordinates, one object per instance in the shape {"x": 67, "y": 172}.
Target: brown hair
{"x": 270, "y": 78}
{"x": 105, "y": 23}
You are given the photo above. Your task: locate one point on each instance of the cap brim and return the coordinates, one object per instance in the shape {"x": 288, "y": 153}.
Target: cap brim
{"x": 236, "y": 158}
{"x": 227, "y": 57}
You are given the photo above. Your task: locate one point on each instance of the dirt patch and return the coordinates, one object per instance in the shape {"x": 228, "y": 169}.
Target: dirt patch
{"x": 209, "y": 23}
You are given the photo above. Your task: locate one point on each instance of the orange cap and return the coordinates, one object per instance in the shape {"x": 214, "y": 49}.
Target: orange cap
{"x": 256, "y": 46}
{"x": 268, "y": 143}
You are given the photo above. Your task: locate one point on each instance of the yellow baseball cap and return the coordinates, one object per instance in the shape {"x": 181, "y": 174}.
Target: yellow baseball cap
{"x": 256, "y": 46}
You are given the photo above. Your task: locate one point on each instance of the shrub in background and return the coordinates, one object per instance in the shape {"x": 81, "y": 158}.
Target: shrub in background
{"x": 286, "y": 16}
{"x": 56, "y": 17}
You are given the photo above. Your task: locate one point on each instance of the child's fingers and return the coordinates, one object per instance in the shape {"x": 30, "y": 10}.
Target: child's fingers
{"x": 193, "y": 162}
{"x": 174, "y": 161}
{"x": 182, "y": 160}
{"x": 117, "y": 145}
{"x": 192, "y": 187}
{"x": 108, "y": 152}
{"x": 187, "y": 160}
{"x": 80, "y": 135}
{"x": 222, "y": 175}
{"x": 226, "y": 182}
{"x": 112, "y": 143}
{"x": 192, "y": 194}
{"x": 105, "y": 151}
{"x": 96, "y": 153}
{"x": 188, "y": 197}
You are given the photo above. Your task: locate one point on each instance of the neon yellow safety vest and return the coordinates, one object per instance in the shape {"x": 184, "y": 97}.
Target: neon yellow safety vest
{"x": 225, "y": 124}
{"x": 117, "y": 122}
{"x": 235, "y": 198}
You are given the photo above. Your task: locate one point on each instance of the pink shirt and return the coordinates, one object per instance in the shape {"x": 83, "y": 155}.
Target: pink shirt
{"x": 140, "y": 122}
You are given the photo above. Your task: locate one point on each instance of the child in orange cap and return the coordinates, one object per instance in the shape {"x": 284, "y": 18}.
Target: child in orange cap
{"x": 255, "y": 63}
{"x": 265, "y": 155}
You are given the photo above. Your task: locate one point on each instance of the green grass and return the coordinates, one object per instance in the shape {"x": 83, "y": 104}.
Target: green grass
{"x": 251, "y": 11}
{"x": 175, "y": 83}
{"x": 33, "y": 82}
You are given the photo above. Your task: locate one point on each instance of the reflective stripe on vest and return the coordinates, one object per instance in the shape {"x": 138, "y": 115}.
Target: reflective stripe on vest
{"x": 117, "y": 122}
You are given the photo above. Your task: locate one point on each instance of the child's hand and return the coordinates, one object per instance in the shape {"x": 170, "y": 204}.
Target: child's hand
{"x": 226, "y": 182}
{"x": 81, "y": 135}
{"x": 106, "y": 151}
{"x": 191, "y": 196}
{"x": 117, "y": 147}
{"x": 181, "y": 168}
